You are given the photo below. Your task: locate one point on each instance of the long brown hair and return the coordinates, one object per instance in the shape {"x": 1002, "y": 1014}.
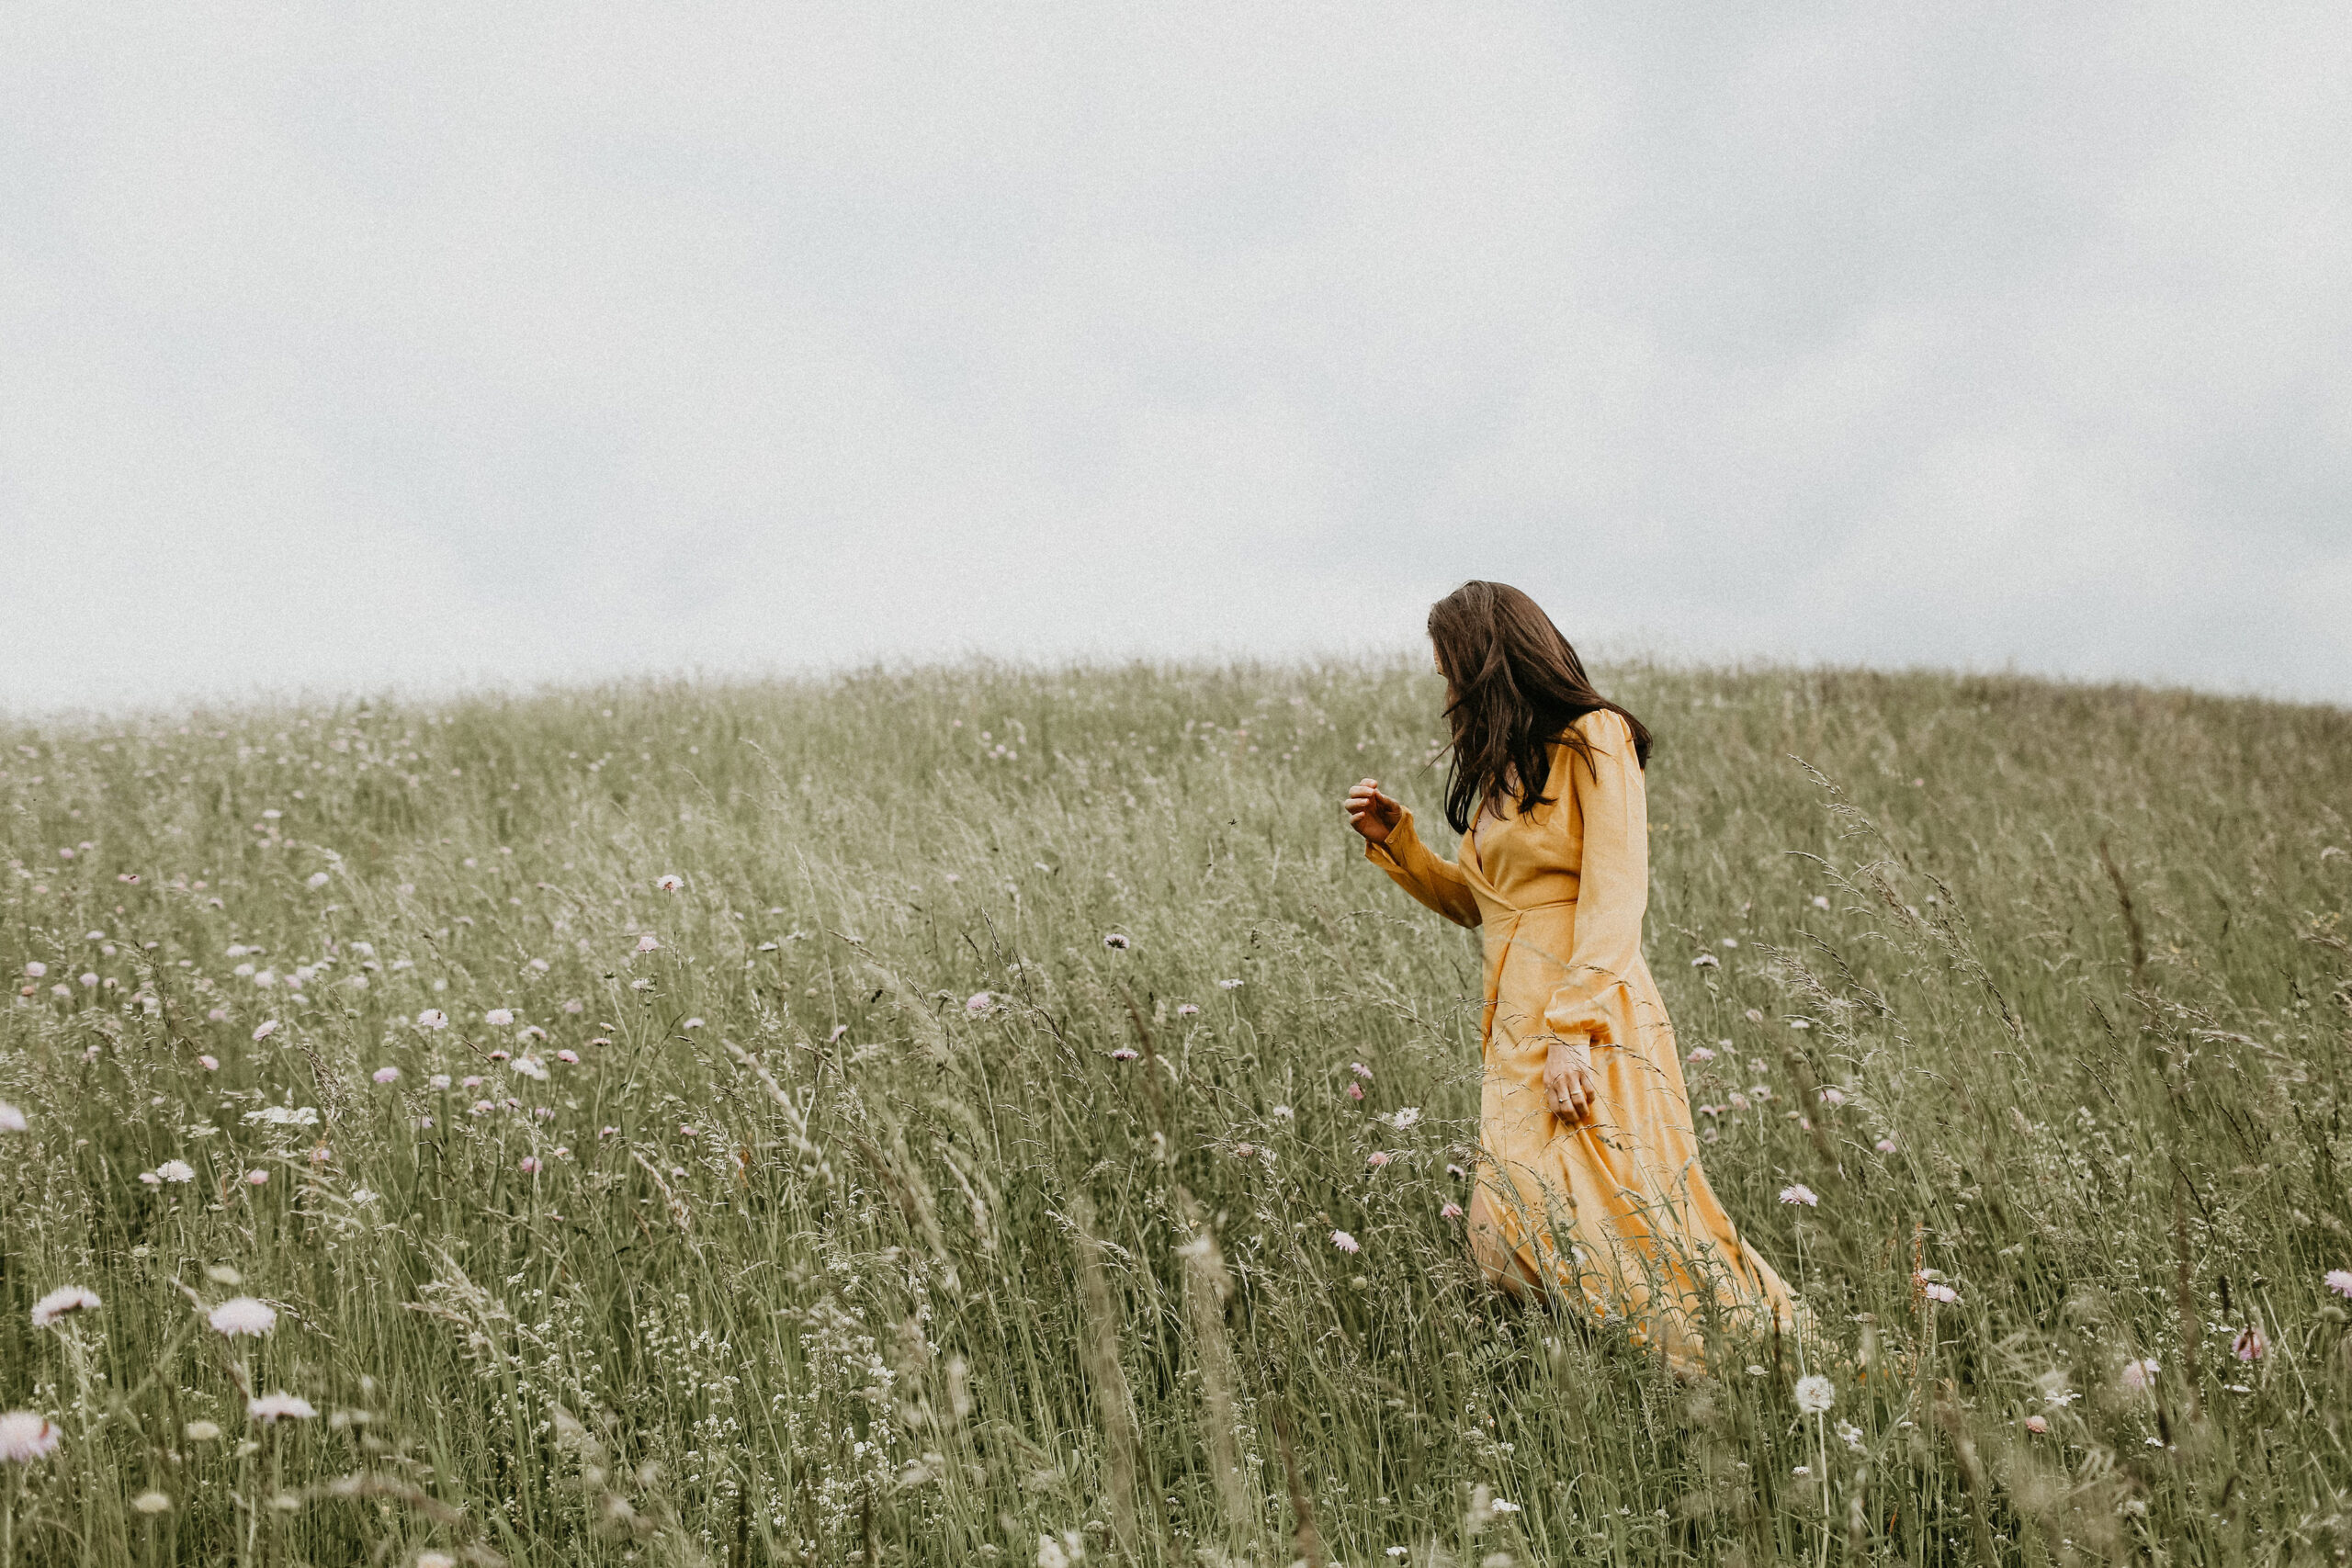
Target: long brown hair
{"x": 1517, "y": 689}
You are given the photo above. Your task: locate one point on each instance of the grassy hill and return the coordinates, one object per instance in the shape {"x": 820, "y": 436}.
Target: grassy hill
{"x": 815, "y": 1210}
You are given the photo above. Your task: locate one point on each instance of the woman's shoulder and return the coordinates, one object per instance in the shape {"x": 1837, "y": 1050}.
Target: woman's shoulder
{"x": 1604, "y": 727}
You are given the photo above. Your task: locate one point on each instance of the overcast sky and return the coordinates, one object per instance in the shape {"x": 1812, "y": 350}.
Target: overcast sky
{"x": 350, "y": 346}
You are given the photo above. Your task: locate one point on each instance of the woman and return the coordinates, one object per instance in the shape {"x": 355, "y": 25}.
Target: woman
{"x": 1590, "y": 1179}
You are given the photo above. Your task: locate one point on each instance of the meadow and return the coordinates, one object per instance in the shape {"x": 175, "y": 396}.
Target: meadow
{"x": 904, "y": 1118}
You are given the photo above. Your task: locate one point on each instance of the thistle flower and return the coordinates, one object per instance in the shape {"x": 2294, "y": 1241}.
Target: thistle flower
{"x": 1815, "y": 1394}
{"x": 25, "y": 1436}
{"x": 568, "y": 1056}
{"x": 1798, "y": 1193}
{"x": 271, "y": 1408}
{"x": 1345, "y": 1242}
{"x": 63, "y": 1301}
{"x": 242, "y": 1315}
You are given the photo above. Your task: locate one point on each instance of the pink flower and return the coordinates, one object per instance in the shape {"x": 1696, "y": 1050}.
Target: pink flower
{"x": 1187, "y": 1010}
{"x": 1117, "y": 941}
{"x": 979, "y": 1004}
{"x": 1123, "y": 1055}
{"x": 1377, "y": 1158}
{"x": 2036, "y": 1425}
{"x": 63, "y": 1302}
{"x": 649, "y": 942}
{"x": 1887, "y": 1145}
{"x": 209, "y": 1064}
{"x": 1355, "y": 1091}
{"x": 2251, "y": 1344}
{"x": 11, "y": 1119}
{"x": 1451, "y": 1211}
{"x": 1936, "y": 1291}
{"x": 267, "y": 1029}
{"x": 569, "y": 1057}
{"x": 25, "y": 1436}
{"x": 2339, "y": 1281}
{"x": 1345, "y": 1242}
{"x": 1701, "y": 1054}
{"x": 671, "y": 883}
{"x": 531, "y": 1165}
{"x": 1798, "y": 1192}
{"x": 2141, "y": 1375}
{"x": 498, "y": 1017}
{"x": 256, "y": 1179}
{"x": 386, "y": 1074}
{"x": 1360, "y": 1069}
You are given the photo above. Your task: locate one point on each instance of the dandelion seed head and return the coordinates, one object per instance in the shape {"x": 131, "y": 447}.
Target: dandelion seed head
{"x": 1815, "y": 1394}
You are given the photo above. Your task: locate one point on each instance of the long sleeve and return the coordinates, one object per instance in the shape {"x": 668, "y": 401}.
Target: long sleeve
{"x": 1436, "y": 882}
{"x": 1596, "y": 1001}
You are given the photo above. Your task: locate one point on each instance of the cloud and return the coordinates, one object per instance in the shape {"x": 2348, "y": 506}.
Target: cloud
{"x": 528, "y": 341}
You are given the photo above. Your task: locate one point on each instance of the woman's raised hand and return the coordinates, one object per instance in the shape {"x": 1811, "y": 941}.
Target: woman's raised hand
{"x": 1372, "y": 813}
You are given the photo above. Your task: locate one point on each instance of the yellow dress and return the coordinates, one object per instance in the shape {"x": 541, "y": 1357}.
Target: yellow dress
{"x": 1615, "y": 1209}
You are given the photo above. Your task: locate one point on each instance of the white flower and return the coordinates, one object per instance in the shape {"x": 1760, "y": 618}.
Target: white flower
{"x": 280, "y": 1406}
{"x": 979, "y": 1004}
{"x": 2141, "y": 1375}
{"x": 386, "y": 1074}
{"x": 177, "y": 1170}
{"x": 1345, "y": 1242}
{"x": 242, "y": 1315}
{"x": 267, "y": 1029}
{"x": 1815, "y": 1394}
{"x": 1706, "y": 961}
{"x": 1849, "y": 1435}
{"x": 284, "y": 1116}
{"x": 1406, "y": 1117}
{"x": 1935, "y": 1291}
{"x": 2336, "y": 1280}
{"x": 529, "y": 1067}
{"x": 36, "y": 969}
{"x": 152, "y": 1503}
{"x": 63, "y": 1301}
{"x": 1228, "y": 985}
{"x": 1502, "y": 1507}
{"x": 671, "y": 883}
{"x": 432, "y": 1017}
{"x": 1798, "y": 1193}
{"x": 649, "y": 942}
{"x": 203, "y": 1432}
{"x": 692, "y": 1023}
{"x": 11, "y": 1119}
{"x": 25, "y": 1436}
{"x": 1117, "y": 941}
{"x": 498, "y": 1017}
{"x": 318, "y": 879}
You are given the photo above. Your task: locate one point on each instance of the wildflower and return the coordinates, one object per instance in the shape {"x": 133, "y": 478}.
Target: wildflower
{"x": 2251, "y": 1344}
{"x": 361, "y": 1195}
{"x": 439, "y": 1080}
{"x": 1800, "y": 1024}
{"x": 1228, "y": 985}
{"x": 481, "y": 1108}
{"x": 1123, "y": 1055}
{"x": 1819, "y": 902}
{"x": 1885, "y": 1146}
{"x": 1377, "y": 1158}
{"x": 1503, "y": 1507}
{"x": 1117, "y": 941}
{"x": 1833, "y": 1097}
{"x": 1798, "y": 1193}
{"x": 2141, "y": 1375}
{"x": 1849, "y": 1435}
{"x": 1759, "y": 1092}
{"x": 148, "y": 1178}
{"x": 318, "y": 879}
{"x": 1284, "y": 1112}
{"x": 1360, "y": 1070}
{"x": 568, "y": 1056}
{"x": 242, "y": 1315}
{"x": 1937, "y": 1292}
{"x": 1739, "y": 1102}
{"x": 1702, "y": 1054}
{"x": 671, "y": 883}
{"x": 435, "y": 1560}
{"x": 1188, "y": 1009}
{"x": 498, "y": 1017}
{"x": 25, "y": 1436}
{"x": 531, "y": 1165}
{"x": 256, "y": 1179}
{"x": 530, "y": 1068}
{"x": 1345, "y": 1242}
{"x": 1731, "y": 942}
{"x": 692, "y": 1023}
{"x": 1815, "y": 1394}
{"x": 837, "y": 1030}
{"x": 1245, "y": 1151}
{"x": 1452, "y": 1211}
{"x": 152, "y": 1503}
{"x": 271, "y": 1408}
{"x": 266, "y": 980}
{"x": 2036, "y": 1425}
{"x": 432, "y": 1017}
{"x": 649, "y": 942}
{"x": 608, "y": 1132}
{"x": 36, "y": 969}
{"x": 2337, "y": 1279}
{"x": 1706, "y": 961}
{"x": 1406, "y": 1117}
{"x": 641, "y": 984}
{"x": 176, "y": 1170}
{"x": 501, "y": 1056}
{"x": 386, "y": 1074}
{"x": 473, "y": 1080}
{"x": 1355, "y": 1091}
{"x": 203, "y": 1432}
{"x": 265, "y": 1030}
{"x": 11, "y": 1119}
{"x": 63, "y": 1301}
{"x": 979, "y": 1004}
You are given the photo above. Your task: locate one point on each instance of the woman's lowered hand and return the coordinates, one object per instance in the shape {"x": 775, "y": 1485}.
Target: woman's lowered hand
{"x": 1570, "y": 1087}
{"x": 1372, "y": 813}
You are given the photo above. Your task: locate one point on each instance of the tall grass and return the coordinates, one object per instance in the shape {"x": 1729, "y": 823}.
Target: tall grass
{"x": 891, "y": 1214}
